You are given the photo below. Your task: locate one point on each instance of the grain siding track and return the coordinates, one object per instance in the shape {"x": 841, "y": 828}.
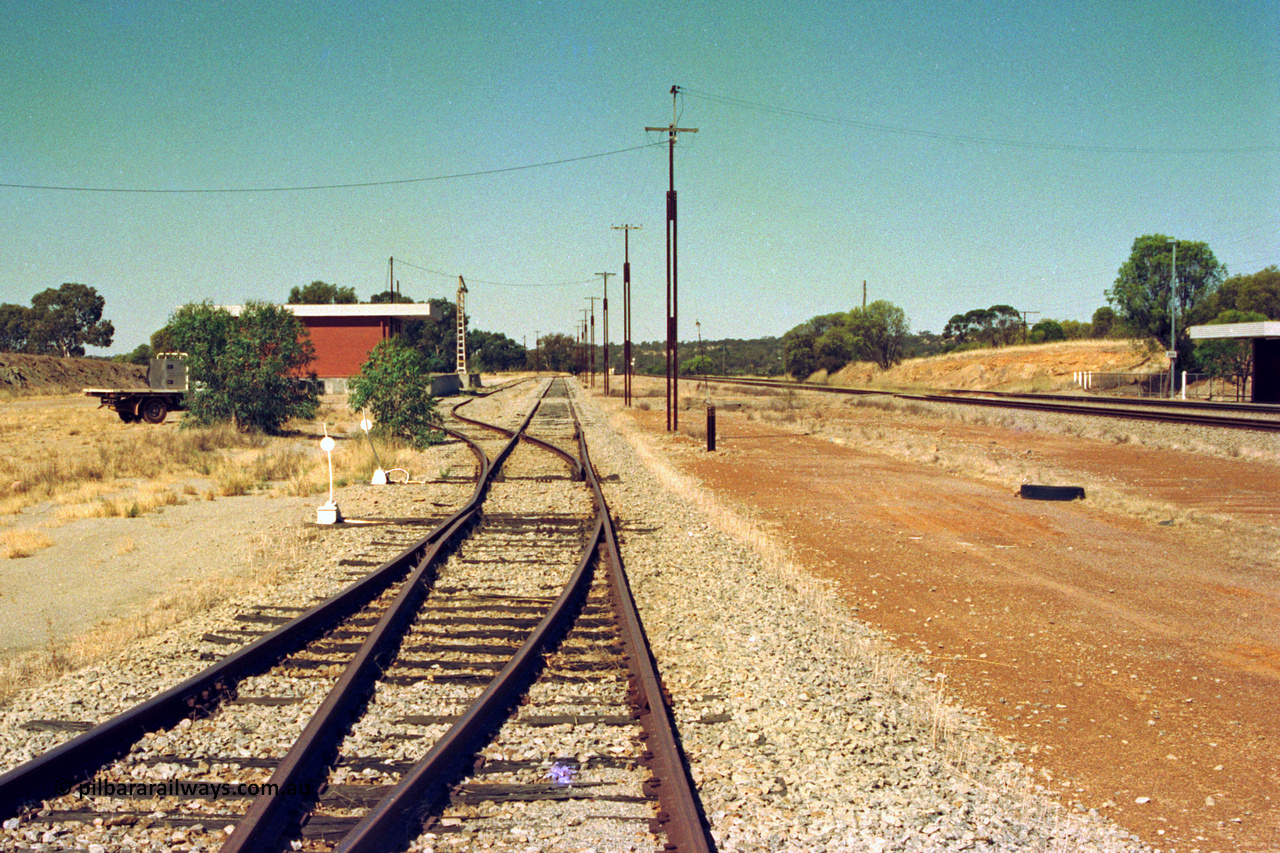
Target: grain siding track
{"x": 1264, "y": 418}
{"x": 349, "y": 716}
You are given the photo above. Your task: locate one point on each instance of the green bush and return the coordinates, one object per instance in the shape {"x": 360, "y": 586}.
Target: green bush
{"x": 395, "y": 386}
{"x": 246, "y": 368}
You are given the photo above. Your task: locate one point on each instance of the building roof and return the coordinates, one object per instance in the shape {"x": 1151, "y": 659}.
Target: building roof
{"x": 1265, "y": 329}
{"x": 381, "y": 309}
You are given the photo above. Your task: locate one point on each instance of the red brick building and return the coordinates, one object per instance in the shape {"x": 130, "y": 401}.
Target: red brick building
{"x": 343, "y": 335}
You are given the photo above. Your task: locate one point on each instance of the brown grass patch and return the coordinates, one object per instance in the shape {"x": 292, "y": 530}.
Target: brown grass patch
{"x": 92, "y": 465}
{"x": 18, "y": 542}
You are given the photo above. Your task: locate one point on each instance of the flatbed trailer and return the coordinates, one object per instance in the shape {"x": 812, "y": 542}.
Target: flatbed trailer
{"x": 167, "y": 378}
{"x": 138, "y": 404}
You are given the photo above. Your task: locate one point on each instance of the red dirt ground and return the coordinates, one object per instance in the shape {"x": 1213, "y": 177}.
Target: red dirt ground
{"x": 1132, "y": 659}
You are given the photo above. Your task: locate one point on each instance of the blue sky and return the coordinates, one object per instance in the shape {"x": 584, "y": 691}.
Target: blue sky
{"x": 951, "y": 154}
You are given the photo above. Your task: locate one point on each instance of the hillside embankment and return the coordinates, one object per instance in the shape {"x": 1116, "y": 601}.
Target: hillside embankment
{"x": 45, "y": 374}
{"x": 1035, "y": 367}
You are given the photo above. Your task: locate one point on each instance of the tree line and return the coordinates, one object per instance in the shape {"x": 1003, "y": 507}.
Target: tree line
{"x": 58, "y": 322}
{"x": 1138, "y": 307}
{"x": 876, "y": 333}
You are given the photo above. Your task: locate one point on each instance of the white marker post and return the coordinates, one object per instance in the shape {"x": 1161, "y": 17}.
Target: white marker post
{"x": 379, "y": 476}
{"x": 329, "y": 513}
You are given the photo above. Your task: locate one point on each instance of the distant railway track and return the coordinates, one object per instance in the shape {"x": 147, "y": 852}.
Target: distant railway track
{"x": 498, "y": 659}
{"x": 1264, "y": 418}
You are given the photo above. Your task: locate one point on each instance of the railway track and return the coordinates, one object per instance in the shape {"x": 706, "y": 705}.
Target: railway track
{"x": 488, "y": 685}
{"x": 1265, "y": 418}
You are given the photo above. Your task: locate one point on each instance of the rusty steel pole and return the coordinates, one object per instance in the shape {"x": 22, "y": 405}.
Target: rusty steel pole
{"x": 673, "y": 289}
{"x": 626, "y": 309}
{"x": 591, "y": 340}
{"x": 605, "y": 309}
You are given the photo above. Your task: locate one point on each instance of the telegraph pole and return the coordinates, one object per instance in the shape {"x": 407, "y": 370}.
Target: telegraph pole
{"x": 605, "y": 276}
{"x": 702, "y": 352}
{"x": 592, "y": 344}
{"x": 626, "y": 309}
{"x": 673, "y": 290}
{"x": 1024, "y": 323}
{"x": 582, "y": 337}
{"x": 1173, "y": 320}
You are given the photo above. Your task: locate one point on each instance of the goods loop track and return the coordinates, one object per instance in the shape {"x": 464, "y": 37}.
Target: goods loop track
{"x": 1262, "y": 417}
{"x": 503, "y": 647}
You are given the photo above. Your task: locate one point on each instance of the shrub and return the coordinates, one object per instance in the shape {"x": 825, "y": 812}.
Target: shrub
{"x": 246, "y": 367}
{"x": 395, "y": 386}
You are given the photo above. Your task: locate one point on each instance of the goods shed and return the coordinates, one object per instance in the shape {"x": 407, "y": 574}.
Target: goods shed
{"x": 343, "y": 335}
{"x": 1265, "y": 339}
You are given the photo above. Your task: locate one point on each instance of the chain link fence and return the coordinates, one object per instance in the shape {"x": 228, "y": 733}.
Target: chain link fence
{"x": 1191, "y": 386}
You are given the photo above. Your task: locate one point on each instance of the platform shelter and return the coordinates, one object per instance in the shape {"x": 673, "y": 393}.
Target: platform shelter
{"x": 1265, "y": 340}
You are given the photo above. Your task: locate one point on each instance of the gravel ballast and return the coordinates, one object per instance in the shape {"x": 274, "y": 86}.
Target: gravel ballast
{"x": 803, "y": 730}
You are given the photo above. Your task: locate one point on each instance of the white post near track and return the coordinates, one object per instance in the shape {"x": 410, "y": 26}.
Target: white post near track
{"x": 329, "y": 513}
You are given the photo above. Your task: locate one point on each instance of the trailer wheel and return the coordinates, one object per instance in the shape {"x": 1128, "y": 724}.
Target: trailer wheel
{"x": 154, "y": 411}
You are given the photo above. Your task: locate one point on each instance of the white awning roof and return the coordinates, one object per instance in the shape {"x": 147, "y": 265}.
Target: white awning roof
{"x": 1266, "y": 329}
{"x": 406, "y": 310}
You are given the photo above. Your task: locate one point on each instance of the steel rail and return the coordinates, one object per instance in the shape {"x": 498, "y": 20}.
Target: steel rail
{"x": 575, "y": 467}
{"x": 392, "y": 822}
{"x": 1143, "y": 402}
{"x": 681, "y": 818}
{"x": 1101, "y": 408}
{"x": 75, "y": 760}
{"x": 270, "y": 814}
{"x": 50, "y": 773}
{"x": 1109, "y": 410}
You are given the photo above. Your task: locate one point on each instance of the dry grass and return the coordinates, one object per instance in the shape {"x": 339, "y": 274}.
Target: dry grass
{"x": 88, "y": 464}
{"x": 17, "y": 542}
{"x": 91, "y": 465}
{"x": 926, "y": 445}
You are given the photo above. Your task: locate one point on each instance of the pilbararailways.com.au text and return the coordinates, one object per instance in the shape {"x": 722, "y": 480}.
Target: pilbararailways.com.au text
{"x": 179, "y": 788}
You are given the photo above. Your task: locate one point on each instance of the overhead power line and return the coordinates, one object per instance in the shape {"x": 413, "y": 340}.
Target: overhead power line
{"x": 346, "y": 186}
{"x": 403, "y": 262}
{"x": 960, "y": 137}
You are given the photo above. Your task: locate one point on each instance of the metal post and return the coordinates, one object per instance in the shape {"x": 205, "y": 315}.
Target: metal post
{"x": 673, "y": 289}
{"x": 605, "y": 307}
{"x": 626, "y": 310}
{"x": 591, "y": 341}
{"x": 1173, "y": 319}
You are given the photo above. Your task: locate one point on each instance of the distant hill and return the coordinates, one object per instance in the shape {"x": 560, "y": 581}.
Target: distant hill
{"x": 47, "y": 374}
{"x": 1034, "y": 367}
